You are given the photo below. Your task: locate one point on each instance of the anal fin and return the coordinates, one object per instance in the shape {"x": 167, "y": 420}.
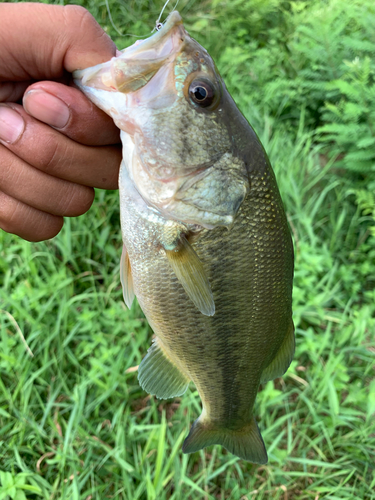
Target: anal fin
{"x": 282, "y": 360}
{"x": 126, "y": 278}
{"x": 159, "y": 376}
{"x": 192, "y": 276}
{"x": 246, "y": 443}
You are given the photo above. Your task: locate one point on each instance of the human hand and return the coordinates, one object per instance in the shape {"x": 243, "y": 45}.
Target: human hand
{"x": 57, "y": 146}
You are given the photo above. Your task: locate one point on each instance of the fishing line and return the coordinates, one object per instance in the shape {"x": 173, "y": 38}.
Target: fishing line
{"x": 159, "y": 24}
{"x": 115, "y": 27}
{"x": 110, "y": 18}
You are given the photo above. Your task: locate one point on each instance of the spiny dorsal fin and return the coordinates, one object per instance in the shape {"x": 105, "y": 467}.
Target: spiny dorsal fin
{"x": 191, "y": 274}
{"x": 126, "y": 278}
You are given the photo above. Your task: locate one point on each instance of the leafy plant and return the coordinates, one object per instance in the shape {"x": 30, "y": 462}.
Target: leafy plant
{"x": 13, "y": 486}
{"x": 350, "y": 123}
{"x": 366, "y": 202}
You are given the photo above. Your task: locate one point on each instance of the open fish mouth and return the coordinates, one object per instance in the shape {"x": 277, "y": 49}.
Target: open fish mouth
{"x": 137, "y": 64}
{"x": 169, "y": 101}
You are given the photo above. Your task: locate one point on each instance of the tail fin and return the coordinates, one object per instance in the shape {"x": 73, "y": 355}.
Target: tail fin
{"x": 246, "y": 443}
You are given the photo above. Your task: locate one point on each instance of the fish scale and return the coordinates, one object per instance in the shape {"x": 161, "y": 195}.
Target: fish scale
{"x": 229, "y": 341}
{"x": 207, "y": 249}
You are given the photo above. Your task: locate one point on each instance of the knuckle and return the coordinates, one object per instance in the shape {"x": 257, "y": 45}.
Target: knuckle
{"x": 8, "y": 212}
{"x": 8, "y": 172}
{"x": 51, "y": 154}
{"x": 76, "y": 201}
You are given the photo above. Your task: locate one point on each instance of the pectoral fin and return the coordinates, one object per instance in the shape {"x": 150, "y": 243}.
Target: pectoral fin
{"x": 159, "y": 376}
{"x": 126, "y": 278}
{"x": 191, "y": 274}
{"x": 282, "y": 360}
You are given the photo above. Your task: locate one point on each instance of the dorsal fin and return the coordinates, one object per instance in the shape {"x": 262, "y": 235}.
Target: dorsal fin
{"x": 126, "y": 278}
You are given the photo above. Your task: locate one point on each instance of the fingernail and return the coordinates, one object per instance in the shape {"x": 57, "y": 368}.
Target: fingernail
{"x": 47, "y": 108}
{"x": 11, "y": 124}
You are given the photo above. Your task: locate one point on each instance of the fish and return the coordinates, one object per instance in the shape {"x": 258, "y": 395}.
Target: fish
{"x": 207, "y": 249}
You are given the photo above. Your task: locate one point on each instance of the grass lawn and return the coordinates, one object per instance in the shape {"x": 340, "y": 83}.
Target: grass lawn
{"x": 74, "y": 423}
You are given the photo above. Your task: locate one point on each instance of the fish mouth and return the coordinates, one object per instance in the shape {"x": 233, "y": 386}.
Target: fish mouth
{"x": 137, "y": 64}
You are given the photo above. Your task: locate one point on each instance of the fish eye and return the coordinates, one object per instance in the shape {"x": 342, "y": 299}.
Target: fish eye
{"x": 202, "y": 93}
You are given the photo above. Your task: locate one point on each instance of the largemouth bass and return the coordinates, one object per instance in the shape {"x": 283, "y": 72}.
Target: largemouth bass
{"x": 207, "y": 249}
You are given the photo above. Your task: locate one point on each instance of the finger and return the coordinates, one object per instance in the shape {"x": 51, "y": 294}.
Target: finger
{"x": 51, "y": 152}
{"x": 41, "y": 41}
{"x": 27, "y": 222}
{"x": 12, "y": 92}
{"x": 69, "y": 111}
{"x": 40, "y": 190}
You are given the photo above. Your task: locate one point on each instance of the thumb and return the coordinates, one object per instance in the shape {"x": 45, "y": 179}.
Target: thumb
{"x": 40, "y": 41}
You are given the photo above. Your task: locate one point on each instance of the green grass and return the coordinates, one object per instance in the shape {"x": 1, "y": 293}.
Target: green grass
{"x": 74, "y": 423}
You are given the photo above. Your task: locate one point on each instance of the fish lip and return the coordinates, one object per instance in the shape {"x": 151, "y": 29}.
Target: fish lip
{"x": 173, "y": 20}
{"x": 151, "y": 54}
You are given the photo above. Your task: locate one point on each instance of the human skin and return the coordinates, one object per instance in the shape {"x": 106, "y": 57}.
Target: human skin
{"x": 56, "y": 146}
